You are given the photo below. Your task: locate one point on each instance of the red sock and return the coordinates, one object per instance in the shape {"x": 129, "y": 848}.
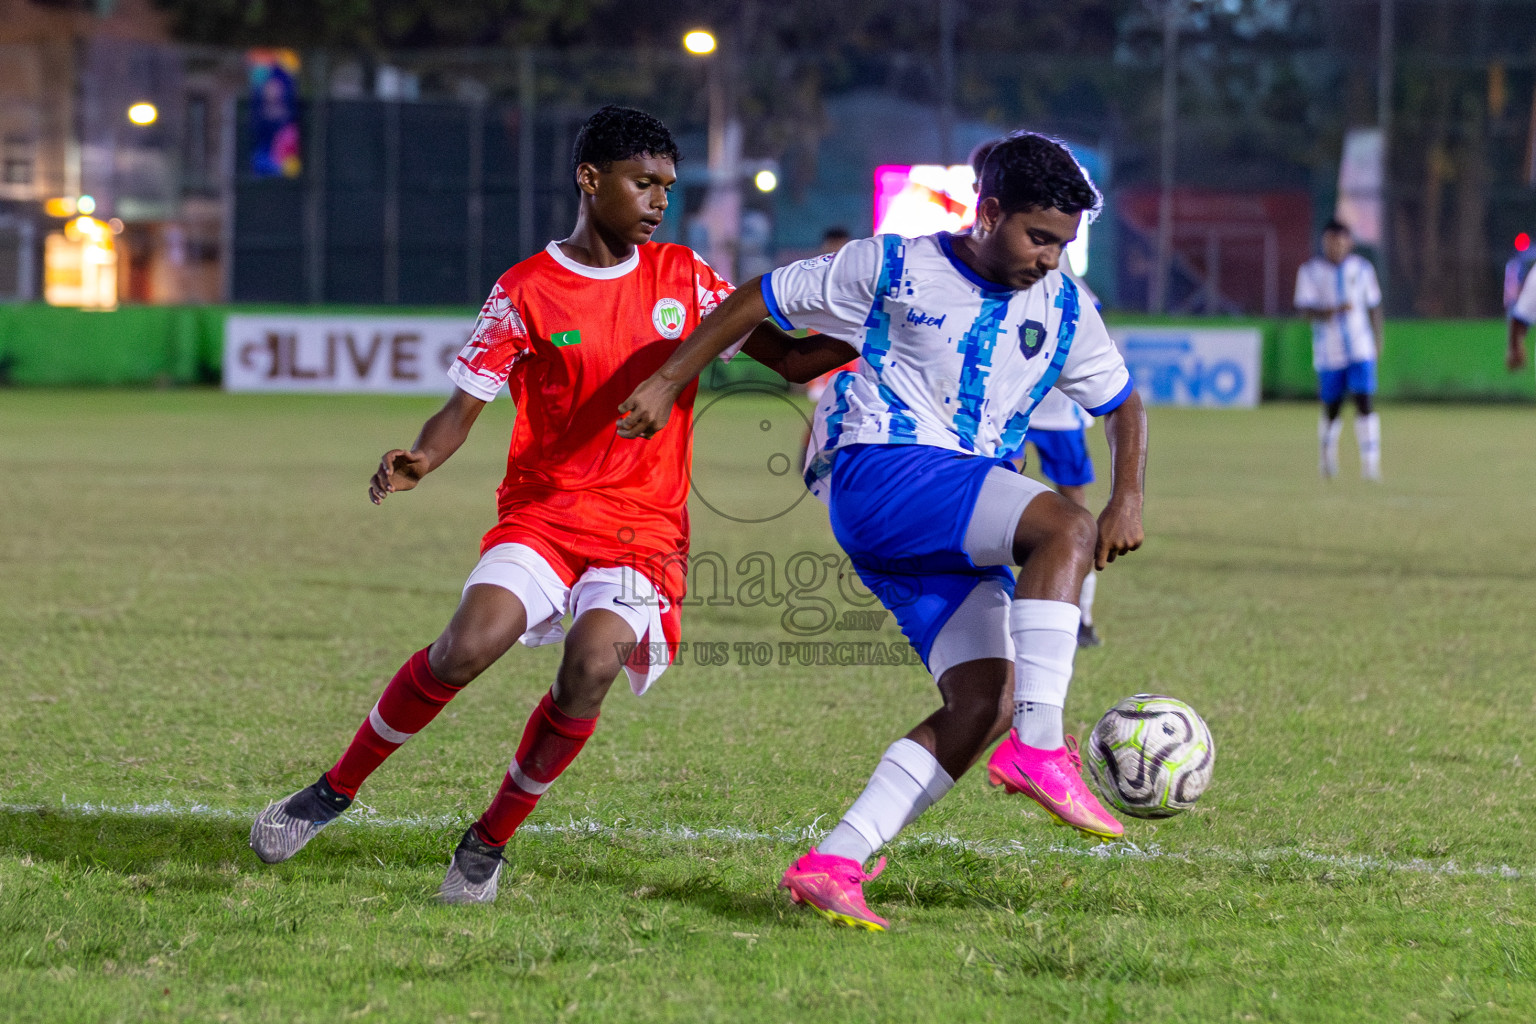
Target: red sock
{"x": 551, "y": 741}
{"x": 411, "y": 700}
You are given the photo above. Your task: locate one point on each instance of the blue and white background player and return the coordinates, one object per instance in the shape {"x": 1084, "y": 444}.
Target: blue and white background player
{"x": 959, "y": 338}
{"x": 1339, "y": 293}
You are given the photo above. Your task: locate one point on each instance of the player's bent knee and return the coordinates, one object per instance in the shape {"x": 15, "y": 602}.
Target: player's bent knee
{"x": 580, "y": 687}
{"x": 590, "y": 671}
{"x": 1081, "y": 530}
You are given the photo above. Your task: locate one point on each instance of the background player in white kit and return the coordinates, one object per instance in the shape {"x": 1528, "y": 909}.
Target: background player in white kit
{"x": 1521, "y": 315}
{"x": 1338, "y": 292}
{"x": 960, "y": 337}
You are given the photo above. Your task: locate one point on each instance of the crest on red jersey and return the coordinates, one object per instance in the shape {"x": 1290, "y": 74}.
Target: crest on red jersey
{"x": 668, "y": 317}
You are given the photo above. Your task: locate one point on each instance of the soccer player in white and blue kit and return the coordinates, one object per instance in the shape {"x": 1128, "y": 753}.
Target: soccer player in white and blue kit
{"x": 1339, "y": 293}
{"x": 959, "y": 337}
{"x": 1522, "y": 313}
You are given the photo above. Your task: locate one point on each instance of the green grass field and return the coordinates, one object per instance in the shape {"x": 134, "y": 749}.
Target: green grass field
{"x": 198, "y": 605}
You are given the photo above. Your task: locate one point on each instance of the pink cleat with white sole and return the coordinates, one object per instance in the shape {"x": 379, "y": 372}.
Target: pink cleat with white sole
{"x": 834, "y": 888}
{"x": 1054, "y": 780}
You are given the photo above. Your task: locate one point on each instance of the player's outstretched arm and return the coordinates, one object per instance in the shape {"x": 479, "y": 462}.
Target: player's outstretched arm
{"x": 797, "y": 360}
{"x": 1120, "y": 528}
{"x": 441, "y": 436}
{"x": 648, "y": 407}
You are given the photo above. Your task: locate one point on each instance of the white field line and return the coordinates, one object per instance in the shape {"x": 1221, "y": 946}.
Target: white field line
{"x": 1124, "y": 850}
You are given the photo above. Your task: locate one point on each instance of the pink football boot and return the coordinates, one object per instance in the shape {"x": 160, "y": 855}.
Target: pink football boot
{"x": 834, "y": 888}
{"x": 1054, "y": 780}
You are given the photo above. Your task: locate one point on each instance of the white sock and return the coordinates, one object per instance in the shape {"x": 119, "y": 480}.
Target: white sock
{"x": 1368, "y": 439}
{"x": 907, "y": 781}
{"x": 1328, "y": 441}
{"x": 1045, "y": 642}
{"x": 1085, "y": 600}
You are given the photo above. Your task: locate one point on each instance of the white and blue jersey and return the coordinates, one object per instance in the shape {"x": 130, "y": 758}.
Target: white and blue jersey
{"x": 1058, "y": 412}
{"x": 951, "y": 366}
{"x": 1346, "y": 337}
{"x": 1524, "y": 306}
{"x": 947, "y": 358}
{"x": 1057, "y": 431}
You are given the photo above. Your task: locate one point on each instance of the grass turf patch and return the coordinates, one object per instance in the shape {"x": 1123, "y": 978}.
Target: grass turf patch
{"x": 199, "y": 606}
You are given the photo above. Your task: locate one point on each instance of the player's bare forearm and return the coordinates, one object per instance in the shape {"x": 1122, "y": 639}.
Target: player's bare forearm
{"x": 797, "y": 360}
{"x": 440, "y": 437}
{"x": 446, "y": 430}
{"x": 648, "y": 407}
{"x": 1120, "y": 526}
{"x": 1515, "y": 359}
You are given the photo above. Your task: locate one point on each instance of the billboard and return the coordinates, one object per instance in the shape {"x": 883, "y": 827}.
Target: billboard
{"x": 1193, "y": 366}
{"x": 407, "y": 355}
{"x": 274, "y": 114}
{"x": 923, "y": 199}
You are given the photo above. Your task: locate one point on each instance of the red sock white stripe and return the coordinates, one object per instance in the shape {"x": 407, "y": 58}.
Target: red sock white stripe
{"x": 382, "y": 727}
{"x": 533, "y": 787}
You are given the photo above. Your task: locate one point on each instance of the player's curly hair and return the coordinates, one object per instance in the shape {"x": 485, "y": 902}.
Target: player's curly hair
{"x": 618, "y": 133}
{"x": 979, "y": 156}
{"x": 1029, "y": 171}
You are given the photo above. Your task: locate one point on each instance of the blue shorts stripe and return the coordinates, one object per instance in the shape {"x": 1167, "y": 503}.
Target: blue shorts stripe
{"x": 1357, "y": 378}
{"x": 1064, "y": 458}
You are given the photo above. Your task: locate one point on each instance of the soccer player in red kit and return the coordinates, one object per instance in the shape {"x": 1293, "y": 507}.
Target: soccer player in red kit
{"x": 587, "y": 522}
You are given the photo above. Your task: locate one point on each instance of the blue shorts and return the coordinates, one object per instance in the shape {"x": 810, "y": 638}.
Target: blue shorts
{"x": 1355, "y": 379}
{"x": 1063, "y": 456}
{"x": 901, "y": 512}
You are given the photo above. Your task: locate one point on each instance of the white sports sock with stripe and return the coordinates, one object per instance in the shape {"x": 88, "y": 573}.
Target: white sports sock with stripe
{"x": 1368, "y": 439}
{"x": 907, "y": 781}
{"x": 1045, "y": 642}
{"x": 1328, "y": 444}
{"x": 1085, "y": 600}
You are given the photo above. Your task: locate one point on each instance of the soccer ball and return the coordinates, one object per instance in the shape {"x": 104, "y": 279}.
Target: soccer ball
{"x": 1151, "y": 756}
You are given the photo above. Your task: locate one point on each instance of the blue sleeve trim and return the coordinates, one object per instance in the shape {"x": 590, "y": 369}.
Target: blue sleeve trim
{"x": 1114, "y": 403}
{"x": 1516, "y": 316}
{"x": 773, "y": 304}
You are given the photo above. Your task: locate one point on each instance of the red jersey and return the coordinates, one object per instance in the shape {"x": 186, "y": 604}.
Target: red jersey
{"x": 571, "y": 342}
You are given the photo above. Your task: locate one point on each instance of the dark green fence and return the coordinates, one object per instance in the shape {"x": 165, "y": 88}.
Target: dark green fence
{"x": 40, "y": 346}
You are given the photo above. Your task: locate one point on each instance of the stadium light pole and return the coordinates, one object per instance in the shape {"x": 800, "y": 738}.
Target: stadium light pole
{"x": 1386, "y": 33}
{"x": 1173, "y": 10}
{"x": 722, "y": 206}
{"x": 947, "y": 81}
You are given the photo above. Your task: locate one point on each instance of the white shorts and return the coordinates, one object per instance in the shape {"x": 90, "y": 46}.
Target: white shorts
{"x": 995, "y": 518}
{"x": 979, "y": 628}
{"x": 618, "y": 589}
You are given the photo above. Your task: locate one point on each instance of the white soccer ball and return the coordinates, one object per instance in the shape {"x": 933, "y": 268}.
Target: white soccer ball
{"x": 1151, "y": 756}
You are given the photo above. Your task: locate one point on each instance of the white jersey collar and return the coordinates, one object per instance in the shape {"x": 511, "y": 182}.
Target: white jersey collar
{"x": 595, "y": 273}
